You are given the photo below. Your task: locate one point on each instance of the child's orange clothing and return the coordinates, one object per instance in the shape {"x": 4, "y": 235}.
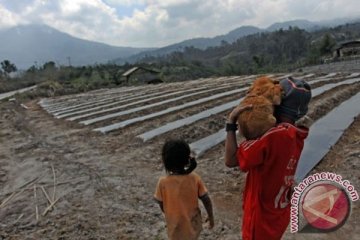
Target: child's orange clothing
{"x": 179, "y": 195}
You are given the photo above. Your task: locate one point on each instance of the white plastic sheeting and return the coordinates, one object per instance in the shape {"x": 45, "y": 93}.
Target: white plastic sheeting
{"x": 189, "y": 120}
{"x": 162, "y": 95}
{"x": 171, "y": 109}
{"x": 118, "y": 114}
{"x": 145, "y": 98}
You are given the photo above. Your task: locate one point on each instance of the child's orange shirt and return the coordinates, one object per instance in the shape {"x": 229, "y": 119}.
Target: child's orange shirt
{"x": 179, "y": 194}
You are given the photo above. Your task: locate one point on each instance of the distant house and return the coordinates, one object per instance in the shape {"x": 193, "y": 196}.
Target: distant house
{"x": 347, "y": 49}
{"x": 142, "y": 75}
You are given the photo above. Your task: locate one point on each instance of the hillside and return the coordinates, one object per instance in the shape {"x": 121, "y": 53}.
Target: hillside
{"x": 233, "y": 36}
{"x": 200, "y": 43}
{"x": 281, "y": 51}
{"x": 37, "y": 44}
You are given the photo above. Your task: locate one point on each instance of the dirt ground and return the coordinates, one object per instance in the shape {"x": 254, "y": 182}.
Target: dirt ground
{"x": 102, "y": 185}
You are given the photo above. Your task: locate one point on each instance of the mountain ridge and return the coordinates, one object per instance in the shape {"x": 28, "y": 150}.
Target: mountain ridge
{"x": 27, "y": 45}
{"x": 235, "y": 34}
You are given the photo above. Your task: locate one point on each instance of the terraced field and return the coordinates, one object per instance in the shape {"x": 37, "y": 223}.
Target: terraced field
{"x": 98, "y": 155}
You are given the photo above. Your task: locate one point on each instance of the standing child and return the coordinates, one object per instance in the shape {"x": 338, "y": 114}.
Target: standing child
{"x": 179, "y": 191}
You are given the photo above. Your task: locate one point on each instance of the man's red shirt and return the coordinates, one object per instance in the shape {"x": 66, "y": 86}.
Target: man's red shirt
{"x": 271, "y": 162}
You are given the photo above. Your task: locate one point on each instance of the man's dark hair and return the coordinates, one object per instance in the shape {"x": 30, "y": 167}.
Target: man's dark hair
{"x": 176, "y": 157}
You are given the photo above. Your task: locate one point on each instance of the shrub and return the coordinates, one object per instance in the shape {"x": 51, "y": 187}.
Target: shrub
{"x": 50, "y": 88}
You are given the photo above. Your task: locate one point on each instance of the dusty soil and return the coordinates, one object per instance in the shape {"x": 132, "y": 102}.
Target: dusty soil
{"x": 104, "y": 183}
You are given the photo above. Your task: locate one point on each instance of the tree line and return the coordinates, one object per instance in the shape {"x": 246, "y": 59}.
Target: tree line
{"x": 57, "y": 80}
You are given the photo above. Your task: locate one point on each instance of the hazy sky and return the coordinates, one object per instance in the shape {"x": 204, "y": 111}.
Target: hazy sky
{"x": 156, "y": 23}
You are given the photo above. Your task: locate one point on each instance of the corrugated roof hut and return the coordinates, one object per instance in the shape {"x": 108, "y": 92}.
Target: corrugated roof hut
{"x": 347, "y": 49}
{"x": 142, "y": 75}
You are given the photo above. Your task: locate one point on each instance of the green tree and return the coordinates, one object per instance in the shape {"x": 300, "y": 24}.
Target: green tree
{"x": 259, "y": 61}
{"x": 8, "y": 67}
{"x": 32, "y": 69}
{"x": 327, "y": 44}
{"x": 49, "y": 65}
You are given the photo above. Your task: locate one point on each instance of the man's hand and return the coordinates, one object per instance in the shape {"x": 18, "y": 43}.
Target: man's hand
{"x": 233, "y": 116}
{"x": 305, "y": 121}
{"x": 230, "y": 142}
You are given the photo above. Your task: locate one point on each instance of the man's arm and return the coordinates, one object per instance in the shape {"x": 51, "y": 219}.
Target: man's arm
{"x": 208, "y": 206}
{"x": 231, "y": 149}
{"x": 231, "y": 142}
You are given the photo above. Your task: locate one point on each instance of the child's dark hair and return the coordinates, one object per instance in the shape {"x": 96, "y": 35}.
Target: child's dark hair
{"x": 176, "y": 157}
